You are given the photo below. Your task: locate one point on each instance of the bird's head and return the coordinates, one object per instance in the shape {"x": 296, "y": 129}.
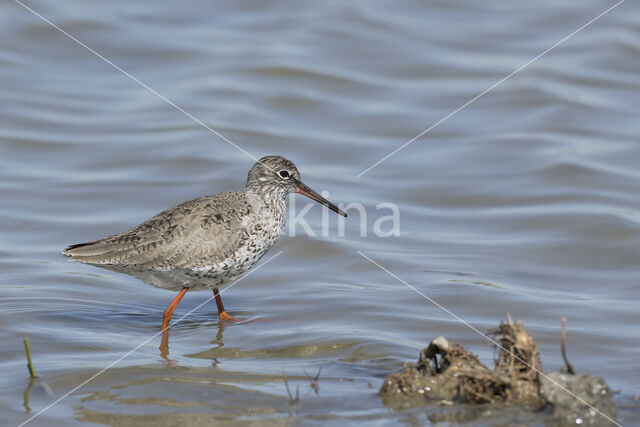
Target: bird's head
{"x": 275, "y": 175}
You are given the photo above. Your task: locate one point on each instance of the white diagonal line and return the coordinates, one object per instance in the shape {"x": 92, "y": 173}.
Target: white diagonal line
{"x": 490, "y": 88}
{"x": 458, "y": 318}
{"x": 110, "y": 365}
{"x": 144, "y": 85}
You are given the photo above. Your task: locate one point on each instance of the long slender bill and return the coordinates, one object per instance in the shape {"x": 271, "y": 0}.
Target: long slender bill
{"x": 307, "y": 191}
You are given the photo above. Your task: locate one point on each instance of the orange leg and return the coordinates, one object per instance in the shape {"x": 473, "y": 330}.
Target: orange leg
{"x": 169, "y": 311}
{"x": 221, "y": 311}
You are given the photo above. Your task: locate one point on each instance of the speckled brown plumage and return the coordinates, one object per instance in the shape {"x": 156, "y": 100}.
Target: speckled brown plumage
{"x": 206, "y": 242}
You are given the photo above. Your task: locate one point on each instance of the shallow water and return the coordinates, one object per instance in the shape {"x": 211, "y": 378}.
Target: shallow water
{"x": 525, "y": 202}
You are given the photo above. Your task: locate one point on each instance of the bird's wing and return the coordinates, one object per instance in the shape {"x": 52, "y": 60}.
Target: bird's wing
{"x": 206, "y": 230}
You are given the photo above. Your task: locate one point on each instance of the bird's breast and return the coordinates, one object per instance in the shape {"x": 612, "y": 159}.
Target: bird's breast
{"x": 263, "y": 230}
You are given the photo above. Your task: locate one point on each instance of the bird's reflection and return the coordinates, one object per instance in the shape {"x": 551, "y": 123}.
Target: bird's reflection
{"x": 164, "y": 346}
{"x": 164, "y": 342}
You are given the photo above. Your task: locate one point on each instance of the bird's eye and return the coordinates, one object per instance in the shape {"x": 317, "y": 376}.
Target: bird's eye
{"x": 284, "y": 174}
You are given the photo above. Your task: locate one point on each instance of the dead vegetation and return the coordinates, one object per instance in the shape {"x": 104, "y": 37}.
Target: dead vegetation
{"x": 448, "y": 373}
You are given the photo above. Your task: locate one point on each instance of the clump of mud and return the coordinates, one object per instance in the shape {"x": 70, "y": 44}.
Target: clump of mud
{"x": 567, "y": 410}
{"x": 446, "y": 371}
{"x": 449, "y": 374}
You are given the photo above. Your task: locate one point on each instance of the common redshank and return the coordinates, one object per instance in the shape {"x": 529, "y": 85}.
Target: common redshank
{"x": 207, "y": 242}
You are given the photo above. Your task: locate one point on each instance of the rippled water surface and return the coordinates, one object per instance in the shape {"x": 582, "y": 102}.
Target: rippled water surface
{"x": 526, "y": 201}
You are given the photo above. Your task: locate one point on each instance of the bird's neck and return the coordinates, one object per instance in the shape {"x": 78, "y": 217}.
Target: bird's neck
{"x": 268, "y": 201}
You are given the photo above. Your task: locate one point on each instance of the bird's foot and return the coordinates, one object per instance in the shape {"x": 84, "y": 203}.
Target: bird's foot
{"x": 226, "y": 316}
